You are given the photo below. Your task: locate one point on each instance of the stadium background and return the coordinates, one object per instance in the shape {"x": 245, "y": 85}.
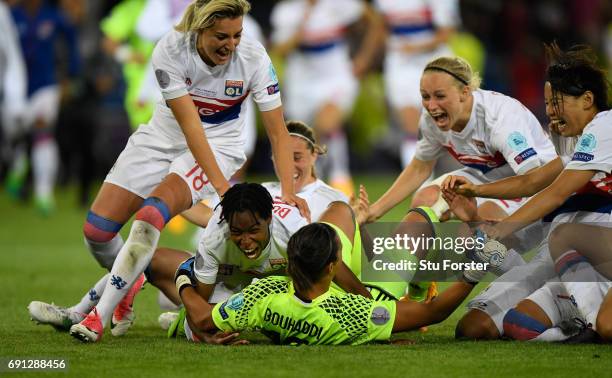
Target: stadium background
{"x": 44, "y": 259}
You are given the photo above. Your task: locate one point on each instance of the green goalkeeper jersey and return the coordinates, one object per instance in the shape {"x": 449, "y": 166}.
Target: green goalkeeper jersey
{"x": 271, "y": 306}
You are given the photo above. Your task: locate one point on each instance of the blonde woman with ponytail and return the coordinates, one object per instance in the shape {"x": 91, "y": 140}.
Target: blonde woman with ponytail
{"x": 188, "y": 150}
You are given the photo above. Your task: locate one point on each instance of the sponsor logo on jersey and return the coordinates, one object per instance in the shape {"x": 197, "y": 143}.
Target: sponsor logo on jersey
{"x": 272, "y": 89}
{"x": 278, "y": 263}
{"x": 273, "y": 75}
{"x": 188, "y": 82}
{"x": 163, "y": 78}
{"x": 292, "y": 325}
{"x": 517, "y": 141}
{"x": 235, "y": 302}
{"x": 234, "y": 88}
{"x": 586, "y": 143}
{"x": 581, "y": 156}
{"x": 524, "y": 155}
{"x": 222, "y": 311}
{"x": 480, "y": 145}
{"x": 380, "y": 315}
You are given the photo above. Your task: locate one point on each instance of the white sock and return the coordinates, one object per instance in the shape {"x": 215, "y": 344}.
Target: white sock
{"x": 132, "y": 260}
{"x": 338, "y": 154}
{"x": 407, "y": 150}
{"x": 91, "y": 298}
{"x": 551, "y": 335}
{"x": 512, "y": 259}
{"x": 45, "y": 162}
{"x": 105, "y": 253}
{"x": 583, "y": 282}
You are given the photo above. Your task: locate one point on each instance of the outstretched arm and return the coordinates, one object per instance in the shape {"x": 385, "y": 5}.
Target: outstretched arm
{"x": 511, "y": 187}
{"x": 413, "y": 315}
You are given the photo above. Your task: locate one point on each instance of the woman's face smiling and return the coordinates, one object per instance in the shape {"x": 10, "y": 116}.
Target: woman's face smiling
{"x": 443, "y": 100}
{"x": 250, "y": 233}
{"x": 568, "y": 114}
{"x": 217, "y": 44}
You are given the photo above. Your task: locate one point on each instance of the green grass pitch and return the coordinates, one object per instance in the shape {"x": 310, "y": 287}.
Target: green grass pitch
{"x": 45, "y": 259}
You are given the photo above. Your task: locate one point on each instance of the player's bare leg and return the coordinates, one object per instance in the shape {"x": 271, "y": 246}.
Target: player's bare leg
{"x": 171, "y": 197}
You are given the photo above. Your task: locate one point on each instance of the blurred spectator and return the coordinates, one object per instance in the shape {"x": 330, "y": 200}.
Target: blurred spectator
{"x": 13, "y": 85}
{"x": 41, "y": 28}
{"x": 321, "y": 80}
{"x": 132, "y": 51}
{"x": 418, "y": 31}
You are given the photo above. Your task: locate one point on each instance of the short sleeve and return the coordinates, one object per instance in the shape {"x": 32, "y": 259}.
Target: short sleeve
{"x": 206, "y": 266}
{"x": 382, "y": 318}
{"x": 428, "y": 146}
{"x": 266, "y": 91}
{"x": 593, "y": 150}
{"x": 167, "y": 67}
{"x": 512, "y": 138}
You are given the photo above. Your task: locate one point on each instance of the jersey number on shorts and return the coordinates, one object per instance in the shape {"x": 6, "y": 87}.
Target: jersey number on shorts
{"x": 199, "y": 180}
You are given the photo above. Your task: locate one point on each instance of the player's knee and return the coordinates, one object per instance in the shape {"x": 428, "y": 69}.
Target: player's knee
{"x": 99, "y": 229}
{"x": 155, "y": 212}
{"x": 557, "y": 241}
{"x": 491, "y": 210}
{"x": 426, "y": 196}
{"x": 476, "y": 325}
{"x": 603, "y": 325}
{"x": 521, "y": 326}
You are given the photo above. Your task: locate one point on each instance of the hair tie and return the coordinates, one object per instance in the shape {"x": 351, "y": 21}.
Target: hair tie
{"x": 462, "y": 80}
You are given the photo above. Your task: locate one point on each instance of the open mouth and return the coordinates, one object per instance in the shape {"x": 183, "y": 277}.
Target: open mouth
{"x": 223, "y": 54}
{"x": 439, "y": 118}
{"x": 250, "y": 253}
{"x": 558, "y": 124}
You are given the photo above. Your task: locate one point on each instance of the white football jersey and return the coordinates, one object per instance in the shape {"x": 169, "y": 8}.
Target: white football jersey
{"x": 502, "y": 138}
{"x": 412, "y": 21}
{"x": 218, "y": 259}
{"x": 594, "y": 152}
{"x": 323, "y": 51}
{"x": 317, "y": 195}
{"x": 217, "y": 92}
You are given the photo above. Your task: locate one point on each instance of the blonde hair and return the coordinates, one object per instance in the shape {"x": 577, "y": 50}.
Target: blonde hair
{"x": 202, "y": 14}
{"x": 456, "y": 67}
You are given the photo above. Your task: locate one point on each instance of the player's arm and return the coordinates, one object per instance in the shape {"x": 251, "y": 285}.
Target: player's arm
{"x": 408, "y": 181}
{"x": 274, "y": 124}
{"x": 186, "y": 115}
{"x": 199, "y": 214}
{"x": 524, "y": 185}
{"x": 567, "y": 183}
{"x": 347, "y": 280}
{"x": 374, "y": 39}
{"x": 413, "y": 315}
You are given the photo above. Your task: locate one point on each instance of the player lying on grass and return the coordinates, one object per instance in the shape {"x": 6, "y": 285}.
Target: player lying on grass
{"x": 583, "y": 253}
{"x": 305, "y": 309}
{"x": 246, "y": 238}
{"x": 573, "y": 188}
{"x": 317, "y": 194}
{"x": 492, "y": 135}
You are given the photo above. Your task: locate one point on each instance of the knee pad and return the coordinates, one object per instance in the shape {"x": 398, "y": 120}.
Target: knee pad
{"x": 154, "y": 211}
{"x": 520, "y": 326}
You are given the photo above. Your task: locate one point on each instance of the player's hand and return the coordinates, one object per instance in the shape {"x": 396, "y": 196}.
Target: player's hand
{"x": 300, "y": 203}
{"x": 361, "y": 206}
{"x": 465, "y": 208}
{"x": 223, "y": 338}
{"x": 460, "y": 185}
{"x": 185, "y": 275}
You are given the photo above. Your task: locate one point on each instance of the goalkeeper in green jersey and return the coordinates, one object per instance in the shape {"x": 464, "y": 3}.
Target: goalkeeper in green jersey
{"x": 305, "y": 309}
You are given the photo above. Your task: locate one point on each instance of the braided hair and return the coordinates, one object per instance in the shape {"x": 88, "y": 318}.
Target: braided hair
{"x": 246, "y": 196}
